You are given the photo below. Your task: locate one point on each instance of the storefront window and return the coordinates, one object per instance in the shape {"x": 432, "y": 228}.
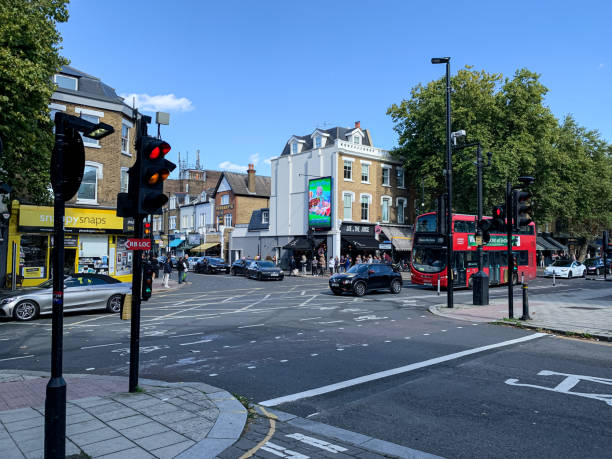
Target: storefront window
{"x": 33, "y": 256}
{"x": 124, "y": 258}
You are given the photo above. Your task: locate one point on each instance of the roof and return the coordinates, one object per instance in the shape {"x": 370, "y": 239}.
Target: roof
{"x": 174, "y": 186}
{"x": 256, "y": 223}
{"x": 239, "y": 184}
{"x": 334, "y": 133}
{"x": 89, "y": 86}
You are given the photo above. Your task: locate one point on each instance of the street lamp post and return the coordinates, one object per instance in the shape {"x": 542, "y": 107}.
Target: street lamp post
{"x": 449, "y": 184}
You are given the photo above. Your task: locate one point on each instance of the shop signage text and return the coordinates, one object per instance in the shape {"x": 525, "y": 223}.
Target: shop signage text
{"x": 138, "y": 244}
{"x": 362, "y": 230}
{"x": 99, "y": 220}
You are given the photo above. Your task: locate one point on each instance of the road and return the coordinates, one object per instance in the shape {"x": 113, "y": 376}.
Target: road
{"x": 450, "y": 388}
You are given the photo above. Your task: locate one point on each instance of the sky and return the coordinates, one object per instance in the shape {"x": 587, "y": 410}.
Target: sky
{"x": 239, "y": 78}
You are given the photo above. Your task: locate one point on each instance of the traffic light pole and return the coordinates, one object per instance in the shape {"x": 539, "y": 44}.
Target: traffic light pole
{"x": 135, "y": 324}
{"x": 509, "y": 246}
{"x": 449, "y": 191}
{"x": 55, "y": 400}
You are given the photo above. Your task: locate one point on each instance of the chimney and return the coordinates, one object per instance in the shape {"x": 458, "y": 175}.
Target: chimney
{"x": 357, "y": 124}
{"x": 251, "y": 183}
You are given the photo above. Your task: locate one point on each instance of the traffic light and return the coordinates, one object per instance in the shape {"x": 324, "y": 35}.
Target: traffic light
{"x": 147, "y": 230}
{"x": 521, "y": 208}
{"x": 71, "y": 167}
{"x": 485, "y": 228}
{"x": 153, "y": 170}
{"x": 499, "y": 219}
{"x": 147, "y": 281}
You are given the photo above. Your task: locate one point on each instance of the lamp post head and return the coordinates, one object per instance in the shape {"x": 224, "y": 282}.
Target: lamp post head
{"x": 440, "y": 60}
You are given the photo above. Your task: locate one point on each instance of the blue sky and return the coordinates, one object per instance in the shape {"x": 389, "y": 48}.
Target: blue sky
{"x": 240, "y": 77}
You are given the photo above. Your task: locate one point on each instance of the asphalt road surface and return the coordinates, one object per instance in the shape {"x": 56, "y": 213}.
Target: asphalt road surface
{"x": 380, "y": 365}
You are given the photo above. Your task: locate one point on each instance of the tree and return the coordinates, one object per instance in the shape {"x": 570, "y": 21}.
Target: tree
{"x": 29, "y": 57}
{"x": 509, "y": 118}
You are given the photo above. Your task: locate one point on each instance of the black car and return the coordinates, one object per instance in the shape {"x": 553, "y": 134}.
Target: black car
{"x": 363, "y": 278}
{"x": 595, "y": 266}
{"x": 239, "y": 267}
{"x": 261, "y": 270}
{"x": 212, "y": 265}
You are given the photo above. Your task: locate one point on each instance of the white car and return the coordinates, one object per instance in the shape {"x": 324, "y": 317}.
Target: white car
{"x": 566, "y": 268}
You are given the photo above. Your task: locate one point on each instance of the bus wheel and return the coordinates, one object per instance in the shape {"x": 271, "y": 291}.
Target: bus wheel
{"x": 471, "y": 283}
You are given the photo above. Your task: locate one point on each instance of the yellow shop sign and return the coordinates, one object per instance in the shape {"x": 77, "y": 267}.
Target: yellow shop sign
{"x": 94, "y": 219}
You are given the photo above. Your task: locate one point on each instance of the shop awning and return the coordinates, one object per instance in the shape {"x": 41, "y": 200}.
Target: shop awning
{"x": 556, "y": 244}
{"x": 175, "y": 243}
{"x": 543, "y": 244}
{"x": 361, "y": 243}
{"x": 400, "y": 237}
{"x": 300, "y": 243}
{"x": 204, "y": 247}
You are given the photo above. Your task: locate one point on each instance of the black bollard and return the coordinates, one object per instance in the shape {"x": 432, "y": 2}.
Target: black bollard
{"x": 525, "y": 303}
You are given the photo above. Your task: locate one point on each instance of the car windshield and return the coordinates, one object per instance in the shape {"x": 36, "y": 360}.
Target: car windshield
{"x": 217, "y": 260}
{"x": 429, "y": 260}
{"x": 591, "y": 261}
{"x": 562, "y": 263}
{"x": 46, "y": 284}
{"x": 266, "y": 264}
{"x": 358, "y": 268}
{"x": 426, "y": 224}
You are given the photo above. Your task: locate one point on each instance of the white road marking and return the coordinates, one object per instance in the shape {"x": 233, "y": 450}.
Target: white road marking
{"x": 303, "y": 293}
{"x": 15, "y": 358}
{"x": 283, "y": 361}
{"x": 196, "y": 342}
{"x": 249, "y": 326}
{"x": 370, "y": 317}
{"x": 425, "y": 334}
{"x": 317, "y": 443}
{"x": 279, "y": 451}
{"x": 313, "y": 355}
{"x": 251, "y": 367}
{"x": 89, "y": 369}
{"x": 387, "y": 341}
{"x": 331, "y": 322}
{"x": 188, "y": 334}
{"x": 101, "y": 345}
{"x": 312, "y": 318}
{"x": 339, "y": 349}
{"x": 395, "y": 371}
{"x": 213, "y": 374}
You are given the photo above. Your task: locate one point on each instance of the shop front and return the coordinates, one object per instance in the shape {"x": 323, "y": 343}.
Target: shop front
{"x": 358, "y": 240}
{"x": 94, "y": 242}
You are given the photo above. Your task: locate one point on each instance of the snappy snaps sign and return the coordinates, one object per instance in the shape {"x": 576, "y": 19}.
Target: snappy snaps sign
{"x": 319, "y": 203}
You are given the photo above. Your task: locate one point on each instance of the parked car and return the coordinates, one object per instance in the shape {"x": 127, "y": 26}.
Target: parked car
{"x": 363, "y": 278}
{"x": 239, "y": 267}
{"x": 212, "y": 265}
{"x": 261, "y": 270}
{"x": 566, "y": 268}
{"x": 192, "y": 262}
{"x": 595, "y": 266}
{"x": 82, "y": 291}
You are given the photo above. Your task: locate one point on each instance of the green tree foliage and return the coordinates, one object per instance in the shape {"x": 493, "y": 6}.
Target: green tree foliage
{"x": 29, "y": 57}
{"x": 572, "y": 165}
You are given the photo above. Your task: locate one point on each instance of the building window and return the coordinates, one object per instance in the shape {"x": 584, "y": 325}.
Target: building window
{"x": 356, "y": 139}
{"x": 348, "y": 206}
{"x": 227, "y": 220}
{"x": 202, "y": 220}
{"x": 125, "y": 180}
{"x": 294, "y": 147}
{"x": 172, "y": 202}
{"x": 66, "y": 82}
{"x": 172, "y": 222}
{"x": 317, "y": 142}
{"x": 225, "y": 200}
{"x": 185, "y": 221}
{"x": 157, "y": 224}
{"x": 365, "y": 208}
{"x": 401, "y": 203}
{"x": 86, "y": 140}
{"x": 265, "y": 216}
{"x": 348, "y": 170}
{"x": 400, "y": 177}
{"x": 88, "y": 190}
{"x": 365, "y": 173}
{"x": 125, "y": 139}
{"x": 386, "y": 203}
{"x": 385, "y": 176}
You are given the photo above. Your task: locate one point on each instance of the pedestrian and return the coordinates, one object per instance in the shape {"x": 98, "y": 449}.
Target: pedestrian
{"x": 304, "y": 262}
{"x": 322, "y": 264}
{"x": 180, "y": 269}
{"x": 313, "y": 263}
{"x": 347, "y": 262}
{"x": 541, "y": 260}
{"x": 167, "y": 265}
{"x": 370, "y": 259}
{"x": 337, "y": 264}
{"x": 331, "y": 265}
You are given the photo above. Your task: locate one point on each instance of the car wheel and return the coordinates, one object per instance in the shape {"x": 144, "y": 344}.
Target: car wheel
{"x": 396, "y": 286}
{"x": 26, "y": 310}
{"x": 584, "y": 273}
{"x": 335, "y": 291}
{"x": 258, "y": 276}
{"x": 281, "y": 277}
{"x": 359, "y": 289}
{"x": 233, "y": 271}
{"x": 569, "y": 275}
{"x": 113, "y": 305}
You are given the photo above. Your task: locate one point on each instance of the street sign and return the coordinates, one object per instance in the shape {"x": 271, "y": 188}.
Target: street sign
{"x": 384, "y": 246}
{"x": 378, "y": 229}
{"x": 138, "y": 244}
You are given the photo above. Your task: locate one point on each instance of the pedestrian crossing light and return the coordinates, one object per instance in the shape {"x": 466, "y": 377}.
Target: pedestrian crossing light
{"x": 485, "y": 227}
{"x": 147, "y": 281}
{"x": 499, "y": 219}
{"x": 521, "y": 207}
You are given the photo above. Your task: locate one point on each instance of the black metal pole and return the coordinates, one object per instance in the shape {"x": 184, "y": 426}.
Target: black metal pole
{"x": 55, "y": 401}
{"x": 525, "y": 315}
{"x": 135, "y": 324}
{"x": 449, "y": 191}
{"x": 509, "y": 245}
{"x": 479, "y": 203}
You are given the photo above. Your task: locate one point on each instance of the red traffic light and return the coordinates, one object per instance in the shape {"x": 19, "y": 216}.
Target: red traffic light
{"x": 159, "y": 150}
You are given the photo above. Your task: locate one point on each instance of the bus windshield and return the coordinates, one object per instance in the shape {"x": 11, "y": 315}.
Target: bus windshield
{"x": 426, "y": 224}
{"x": 429, "y": 260}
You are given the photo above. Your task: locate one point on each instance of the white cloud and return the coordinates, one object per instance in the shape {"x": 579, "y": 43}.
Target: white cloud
{"x": 601, "y": 66}
{"x": 230, "y": 166}
{"x": 159, "y": 103}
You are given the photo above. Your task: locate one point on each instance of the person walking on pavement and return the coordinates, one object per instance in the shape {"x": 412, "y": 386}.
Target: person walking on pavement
{"x": 322, "y": 264}
{"x": 337, "y": 264}
{"x": 347, "y": 263}
{"x": 314, "y": 265}
{"x": 331, "y": 265}
{"x": 304, "y": 263}
{"x": 167, "y": 270}
{"x": 180, "y": 268}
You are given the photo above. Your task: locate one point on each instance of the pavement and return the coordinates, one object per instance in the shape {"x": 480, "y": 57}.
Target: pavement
{"x": 585, "y": 312}
{"x": 163, "y": 420}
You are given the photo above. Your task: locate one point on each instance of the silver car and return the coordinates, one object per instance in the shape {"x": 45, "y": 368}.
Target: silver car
{"x": 82, "y": 291}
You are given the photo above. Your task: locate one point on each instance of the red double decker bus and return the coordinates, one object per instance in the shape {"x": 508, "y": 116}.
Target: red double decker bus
{"x": 428, "y": 263}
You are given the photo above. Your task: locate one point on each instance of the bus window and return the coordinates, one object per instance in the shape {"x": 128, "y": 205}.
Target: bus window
{"x": 426, "y": 224}
{"x": 464, "y": 227}
{"x": 471, "y": 259}
{"x": 521, "y": 257}
{"x": 429, "y": 260}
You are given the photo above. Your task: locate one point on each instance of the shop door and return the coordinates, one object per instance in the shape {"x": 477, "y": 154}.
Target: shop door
{"x": 69, "y": 260}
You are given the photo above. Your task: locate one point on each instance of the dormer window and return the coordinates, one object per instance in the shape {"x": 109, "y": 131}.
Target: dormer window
{"x": 357, "y": 139}
{"x": 294, "y": 148}
{"x": 203, "y": 196}
{"x": 265, "y": 216}
{"x": 66, "y": 82}
{"x": 317, "y": 142}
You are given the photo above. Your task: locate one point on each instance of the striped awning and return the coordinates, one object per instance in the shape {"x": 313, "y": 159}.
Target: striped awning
{"x": 204, "y": 247}
{"x": 543, "y": 244}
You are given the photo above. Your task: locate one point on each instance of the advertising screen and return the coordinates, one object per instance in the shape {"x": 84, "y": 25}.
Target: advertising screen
{"x": 319, "y": 203}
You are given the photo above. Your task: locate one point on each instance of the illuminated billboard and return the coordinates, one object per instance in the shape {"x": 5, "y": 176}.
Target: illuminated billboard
{"x": 319, "y": 203}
